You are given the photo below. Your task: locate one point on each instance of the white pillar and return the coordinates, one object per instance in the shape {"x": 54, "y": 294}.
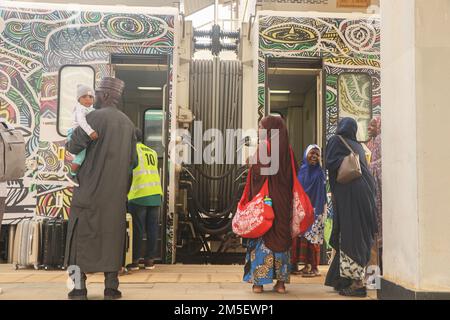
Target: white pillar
{"x": 433, "y": 114}
{"x": 416, "y": 152}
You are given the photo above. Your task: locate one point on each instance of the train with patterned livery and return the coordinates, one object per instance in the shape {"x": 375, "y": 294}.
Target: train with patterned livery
{"x": 310, "y": 67}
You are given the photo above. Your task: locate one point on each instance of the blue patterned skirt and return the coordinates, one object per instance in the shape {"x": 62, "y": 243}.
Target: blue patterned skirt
{"x": 262, "y": 265}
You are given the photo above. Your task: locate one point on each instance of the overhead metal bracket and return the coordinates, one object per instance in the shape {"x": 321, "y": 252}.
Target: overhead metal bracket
{"x": 251, "y": 20}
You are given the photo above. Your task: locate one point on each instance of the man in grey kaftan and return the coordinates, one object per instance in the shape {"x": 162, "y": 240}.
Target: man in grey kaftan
{"x": 96, "y": 232}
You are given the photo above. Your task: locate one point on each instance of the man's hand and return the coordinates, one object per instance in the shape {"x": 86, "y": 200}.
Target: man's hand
{"x": 94, "y": 135}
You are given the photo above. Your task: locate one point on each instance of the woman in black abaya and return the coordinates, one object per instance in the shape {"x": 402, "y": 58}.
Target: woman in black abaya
{"x": 354, "y": 221}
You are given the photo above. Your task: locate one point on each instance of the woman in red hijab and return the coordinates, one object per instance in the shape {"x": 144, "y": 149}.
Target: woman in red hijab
{"x": 268, "y": 257}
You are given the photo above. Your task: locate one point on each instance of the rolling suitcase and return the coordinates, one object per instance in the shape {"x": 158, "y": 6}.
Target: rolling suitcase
{"x": 27, "y": 244}
{"x": 4, "y": 235}
{"x": 54, "y": 233}
{"x": 11, "y": 236}
{"x": 128, "y": 256}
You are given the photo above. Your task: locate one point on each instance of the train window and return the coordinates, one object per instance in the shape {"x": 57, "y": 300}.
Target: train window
{"x": 153, "y": 130}
{"x": 69, "y": 78}
{"x": 355, "y": 100}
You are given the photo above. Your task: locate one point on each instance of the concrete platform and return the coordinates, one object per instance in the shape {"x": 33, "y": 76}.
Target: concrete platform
{"x": 165, "y": 282}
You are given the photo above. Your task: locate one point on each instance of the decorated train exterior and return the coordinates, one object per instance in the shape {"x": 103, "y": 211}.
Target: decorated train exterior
{"x": 36, "y": 42}
{"x": 348, "y": 44}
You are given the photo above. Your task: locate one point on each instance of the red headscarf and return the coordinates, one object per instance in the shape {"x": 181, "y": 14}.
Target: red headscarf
{"x": 278, "y": 238}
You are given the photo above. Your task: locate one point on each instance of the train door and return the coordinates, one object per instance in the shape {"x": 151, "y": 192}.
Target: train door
{"x": 294, "y": 92}
{"x": 145, "y": 102}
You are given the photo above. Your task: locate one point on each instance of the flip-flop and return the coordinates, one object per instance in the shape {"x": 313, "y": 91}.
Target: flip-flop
{"x": 306, "y": 269}
{"x": 311, "y": 274}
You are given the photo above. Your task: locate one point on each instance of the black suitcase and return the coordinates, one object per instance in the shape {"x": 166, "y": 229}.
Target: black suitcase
{"x": 53, "y": 243}
{"x": 4, "y": 243}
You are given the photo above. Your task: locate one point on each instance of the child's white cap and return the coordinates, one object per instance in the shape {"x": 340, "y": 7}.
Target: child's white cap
{"x": 83, "y": 90}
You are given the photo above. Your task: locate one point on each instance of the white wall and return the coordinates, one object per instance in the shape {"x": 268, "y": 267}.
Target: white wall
{"x": 400, "y": 212}
{"x": 416, "y": 191}
{"x": 249, "y": 59}
{"x": 295, "y": 123}
{"x": 433, "y": 112}
{"x": 309, "y": 117}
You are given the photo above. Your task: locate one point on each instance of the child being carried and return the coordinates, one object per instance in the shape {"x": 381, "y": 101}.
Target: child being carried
{"x": 85, "y": 97}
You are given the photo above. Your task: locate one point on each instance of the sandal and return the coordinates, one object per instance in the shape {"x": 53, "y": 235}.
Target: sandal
{"x": 342, "y": 284}
{"x": 354, "y": 292}
{"x": 311, "y": 274}
{"x": 257, "y": 289}
{"x": 306, "y": 269}
{"x": 279, "y": 288}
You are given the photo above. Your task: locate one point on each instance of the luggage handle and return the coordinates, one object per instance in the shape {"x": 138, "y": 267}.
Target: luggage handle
{"x": 8, "y": 128}
{"x": 18, "y": 219}
{"x": 5, "y": 125}
{"x": 30, "y": 245}
{"x": 127, "y": 241}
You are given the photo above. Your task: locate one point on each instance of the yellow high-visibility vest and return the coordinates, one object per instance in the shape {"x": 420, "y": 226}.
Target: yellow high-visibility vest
{"x": 146, "y": 181}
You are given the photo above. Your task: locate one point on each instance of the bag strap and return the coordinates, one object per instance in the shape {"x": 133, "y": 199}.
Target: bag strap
{"x": 247, "y": 187}
{"x": 249, "y": 179}
{"x": 7, "y": 128}
{"x": 292, "y": 162}
{"x": 346, "y": 144}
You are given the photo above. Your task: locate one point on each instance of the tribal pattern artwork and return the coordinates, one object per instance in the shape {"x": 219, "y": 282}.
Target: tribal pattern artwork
{"x": 350, "y": 51}
{"x": 34, "y": 45}
{"x": 54, "y": 201}
{"x": 345, "y": 45}
{"x": 336, "y": 71}
{"x": 354, "y": 101}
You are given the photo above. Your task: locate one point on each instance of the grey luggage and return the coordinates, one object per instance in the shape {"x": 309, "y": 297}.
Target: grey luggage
{"x": 12, "y": 153}
{"x": 27, "y": 244}
{"x": 11, "y": 237}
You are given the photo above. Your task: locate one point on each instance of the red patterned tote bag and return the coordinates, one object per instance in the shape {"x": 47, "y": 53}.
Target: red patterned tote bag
{"x": 255, "y": 217}
{"x": 302, "y": 210}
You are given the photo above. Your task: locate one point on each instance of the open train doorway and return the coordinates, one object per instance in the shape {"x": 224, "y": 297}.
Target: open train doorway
{"x": 294, "y": 91}
{"x": 145, "y": 101}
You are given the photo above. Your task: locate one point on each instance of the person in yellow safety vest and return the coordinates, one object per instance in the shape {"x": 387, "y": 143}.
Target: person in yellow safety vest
{"x": 144, "y": 201}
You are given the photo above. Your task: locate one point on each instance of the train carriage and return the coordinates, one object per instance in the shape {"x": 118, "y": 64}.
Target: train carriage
{"x": 45, "y": 51}
{"x": 311, "y": 68}
{"x": 334, "y": 56}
